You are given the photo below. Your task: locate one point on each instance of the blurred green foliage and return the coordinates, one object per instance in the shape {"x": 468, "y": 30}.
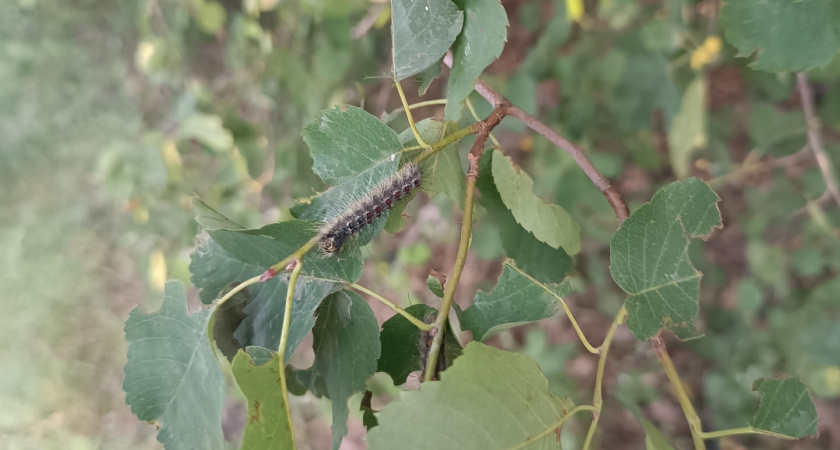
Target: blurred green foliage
{"x": 113, "y": 114}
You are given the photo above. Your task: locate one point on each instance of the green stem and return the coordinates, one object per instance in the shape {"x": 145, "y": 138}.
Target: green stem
{"x": 575, "y": 325}
{"x": 417, "y": 322}
{"x": 393, "y": 114}
{"x": 730, "y": 432}
{"x": 265, "y": 276}
{"x": 552, "y": 427}
{"x": 297, "y": 255}
{"x": 410, "y": 117}
{"x": 284, "y": 338}
{"x": 676, "y": 385}
{"x": 452, "y": 138}
{"x": 455, "y": 275}
{"x": 597, "y": 398}
{"x": 235, "y": 290}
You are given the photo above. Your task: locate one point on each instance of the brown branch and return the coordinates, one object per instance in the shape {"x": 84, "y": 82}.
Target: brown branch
{"x": 601, "y": 182}
{"x": 770, "y": 163}
{"x": 486, "y": 126}
{"x": 814, "y": 138}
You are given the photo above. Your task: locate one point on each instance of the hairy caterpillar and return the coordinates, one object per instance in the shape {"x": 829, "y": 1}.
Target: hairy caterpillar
{"x": 335, "y": 233}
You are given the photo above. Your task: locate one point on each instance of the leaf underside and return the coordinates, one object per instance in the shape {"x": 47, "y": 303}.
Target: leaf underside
{"x": 489, "y": 398}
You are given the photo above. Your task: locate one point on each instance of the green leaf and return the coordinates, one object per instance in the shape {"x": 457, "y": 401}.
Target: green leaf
{"x": 541, "y": 261}
{"x": 401, "y": 341}
{"x": 478, "y": 45}
{"x": 489, "y": 398}
{"x": 226, "y": 320}
{"x": 356, "y": 151}
{"x": 208, "y": 130}
{"x": 422, "y": 32}
{"x": 786, "y": 408}
{"x": 172, "y": 376}
{"x": 649, "y": 258}
{"x": 231, "y": 257}
{"x": 442, "y": 173}
{"x": 435, "y": 285}
{"x": 346, "y": 141}
{"x": 774, "y": 131}
{"x": 426, "y": 77}
{"x": 267, "y": 425}
{"x": 517, "y": 299}
{"x": 263, "y": 324}
{"x": 210, "y": 219}
{"x": 788, "y": 36}
{"x": 541, "y": 55}
{"x": 548, "y": 222}
{"x": 337, "y": 200}
{"x": 346, "y": 350}
{"x": 688, "y": 132}
{"x": 645, "y": 87}
{"x": 654, "y": 440}
{"x": 660, "y": 36}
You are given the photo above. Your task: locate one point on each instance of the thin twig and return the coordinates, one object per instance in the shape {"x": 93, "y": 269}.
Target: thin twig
{"x": 589, "y": 347}
{"x": 597, "y": 397}
{"x": 600, "y": 181}
{"x": 749, "y": 168}
{"x": 552, "y": 427}
{"x": 679, "y": 390}
{"x": 284, "y": 338}
{"x": 441, "y": 144}
{"x": 409, "y": 116}
{"x": 417, "y": 322}
{"x": 814, "y": 137}
{"x": 388, "y": 117}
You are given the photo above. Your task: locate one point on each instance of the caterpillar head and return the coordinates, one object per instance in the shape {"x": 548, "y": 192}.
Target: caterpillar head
{"x": 332, "y": 242}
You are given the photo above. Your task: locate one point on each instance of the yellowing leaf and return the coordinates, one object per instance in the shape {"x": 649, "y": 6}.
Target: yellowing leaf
{"x": 832, "y": 377}
{"x": 268, "y": 424}
{"x": 383, "y": 18}
{"x": 706, "y": 53}
{"x": 157, "y": 270}
{"x": 143, "y": 54}
{"x": 141, "y": 215}
{"x": 172, "y": 159}
{"x": 574, "y": 10}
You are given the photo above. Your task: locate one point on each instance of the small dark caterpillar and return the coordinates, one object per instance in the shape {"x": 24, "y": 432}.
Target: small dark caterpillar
{"x": 426, "y": 338}
{"x": 335, "y": 233}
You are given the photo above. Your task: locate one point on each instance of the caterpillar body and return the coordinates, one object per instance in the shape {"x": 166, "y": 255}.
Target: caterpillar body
{"x": 335, "y": 233}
